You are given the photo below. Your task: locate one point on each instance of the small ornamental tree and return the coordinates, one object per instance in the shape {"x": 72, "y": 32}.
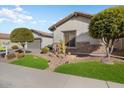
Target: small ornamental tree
{"x": 21, "y": 35}
{"x": 108, "y": 26}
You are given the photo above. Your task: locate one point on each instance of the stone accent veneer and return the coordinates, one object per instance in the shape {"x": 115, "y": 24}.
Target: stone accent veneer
{"x": 86, "y": 47}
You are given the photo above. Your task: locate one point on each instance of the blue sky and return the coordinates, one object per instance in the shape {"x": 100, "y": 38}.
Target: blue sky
{"x": 39, "y": 17}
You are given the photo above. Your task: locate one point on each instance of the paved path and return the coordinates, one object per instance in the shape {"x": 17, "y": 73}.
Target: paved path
{"x": 17, "y": 76}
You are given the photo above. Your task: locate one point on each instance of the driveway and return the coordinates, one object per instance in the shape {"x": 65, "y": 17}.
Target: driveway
{"x": 13, "y": 76}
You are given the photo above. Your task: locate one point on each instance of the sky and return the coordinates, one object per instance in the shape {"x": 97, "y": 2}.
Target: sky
{"x": 40, "y": 17}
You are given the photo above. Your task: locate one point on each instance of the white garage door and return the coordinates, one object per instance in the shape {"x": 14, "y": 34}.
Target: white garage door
{"x": 36, "y": 44}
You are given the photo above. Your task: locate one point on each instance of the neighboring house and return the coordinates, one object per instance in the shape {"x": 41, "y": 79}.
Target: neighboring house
{"x": 73, "y": 30}
{"x": 41, "y": 40}
{"x": 4, "y": 38}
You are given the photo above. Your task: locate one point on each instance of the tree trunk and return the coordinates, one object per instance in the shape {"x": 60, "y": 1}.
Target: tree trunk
{"x": 109, "y": 45}
{"x": 23, "y": 45}
{"x": 109, "y": 50}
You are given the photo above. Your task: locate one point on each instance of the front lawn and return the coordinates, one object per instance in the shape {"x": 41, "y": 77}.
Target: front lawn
{"x": 32, "y": 61}
{"x": 95, "y": 69}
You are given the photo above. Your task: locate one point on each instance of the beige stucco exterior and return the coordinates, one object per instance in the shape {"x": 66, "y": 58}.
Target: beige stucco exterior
{"x": 46, "y": 41}
{"x": 84, "y": 42}
{"x": 78, "y": 24}
{"x": 40, "y": 41}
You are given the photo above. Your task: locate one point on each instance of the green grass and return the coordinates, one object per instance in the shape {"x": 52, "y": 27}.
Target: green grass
{"x": 32, "y": 61}
{"x": 95, "y": 69}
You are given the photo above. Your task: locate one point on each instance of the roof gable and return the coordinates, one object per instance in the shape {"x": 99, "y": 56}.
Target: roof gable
{"x": 60, "y": 22}
{"x": 44, "y": 34}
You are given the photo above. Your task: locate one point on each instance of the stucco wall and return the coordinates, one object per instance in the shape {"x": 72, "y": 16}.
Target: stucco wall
{"x": 80, "y": 25}
{"x": 46, "y": 41}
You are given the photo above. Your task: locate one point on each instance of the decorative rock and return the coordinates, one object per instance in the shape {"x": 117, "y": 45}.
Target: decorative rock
{"x": 50, "y": 55}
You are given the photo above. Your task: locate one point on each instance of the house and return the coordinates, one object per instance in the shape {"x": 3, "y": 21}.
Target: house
{"x": 41, "y": 39}
{"x": 73, "y": 30}
{"x": 4, "y": 39}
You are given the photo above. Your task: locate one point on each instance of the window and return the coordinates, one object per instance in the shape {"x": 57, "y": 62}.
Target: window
{"x": 70, "y": 38}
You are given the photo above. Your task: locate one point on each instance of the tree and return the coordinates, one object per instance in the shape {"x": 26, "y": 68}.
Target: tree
{"x": 108, "y": 26}
{"x": 22, "y": 36}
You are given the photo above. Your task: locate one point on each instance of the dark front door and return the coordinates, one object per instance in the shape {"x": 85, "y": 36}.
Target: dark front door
{"x": 70, "y": 38}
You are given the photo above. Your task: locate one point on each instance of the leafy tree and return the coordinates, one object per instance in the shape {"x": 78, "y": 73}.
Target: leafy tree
{"x": 108, "y": 26}
{"x": 21, "y": 35}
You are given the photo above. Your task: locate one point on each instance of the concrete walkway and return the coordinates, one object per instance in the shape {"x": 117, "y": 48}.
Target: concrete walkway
{"x": 13, "y": 76}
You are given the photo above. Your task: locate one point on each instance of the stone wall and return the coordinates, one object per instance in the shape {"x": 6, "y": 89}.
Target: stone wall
{"x": 86, "y": 47}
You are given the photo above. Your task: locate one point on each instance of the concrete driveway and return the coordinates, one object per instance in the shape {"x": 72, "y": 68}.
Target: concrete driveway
{"x": 13, "y": 76}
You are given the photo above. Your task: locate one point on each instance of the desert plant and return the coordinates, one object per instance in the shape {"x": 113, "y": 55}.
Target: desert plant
{"x": 108, "y": 26}
{"x": 45, "y": 50}
{"x": 62, "y": 47}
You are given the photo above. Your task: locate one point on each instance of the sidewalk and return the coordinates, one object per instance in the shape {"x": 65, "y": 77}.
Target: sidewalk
{"x": 13, "y": 76}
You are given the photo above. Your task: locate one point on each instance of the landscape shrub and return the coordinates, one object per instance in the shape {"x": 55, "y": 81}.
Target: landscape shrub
{"x": 45, "y": 50}
{"x": 50, "y": 47}
{"x": 15, "y": 47}
{"x": 2, "y": 48}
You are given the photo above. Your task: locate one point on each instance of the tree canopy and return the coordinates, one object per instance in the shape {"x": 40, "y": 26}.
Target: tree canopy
{"x": 108, "y": 24}
{"x": 21, "y": 35}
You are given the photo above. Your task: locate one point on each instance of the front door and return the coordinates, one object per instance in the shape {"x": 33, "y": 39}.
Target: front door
{"x": 70, "y": 38}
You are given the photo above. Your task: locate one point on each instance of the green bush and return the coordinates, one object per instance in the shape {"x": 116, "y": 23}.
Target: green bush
{"x": 15, "y": 47}
{"x": 2, "y": 48}
{"x": 45, "y": 50}
{"x": 108, "y": 26}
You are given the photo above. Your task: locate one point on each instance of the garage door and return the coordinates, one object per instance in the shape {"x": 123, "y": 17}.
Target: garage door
{"x": 36, "y": 44}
